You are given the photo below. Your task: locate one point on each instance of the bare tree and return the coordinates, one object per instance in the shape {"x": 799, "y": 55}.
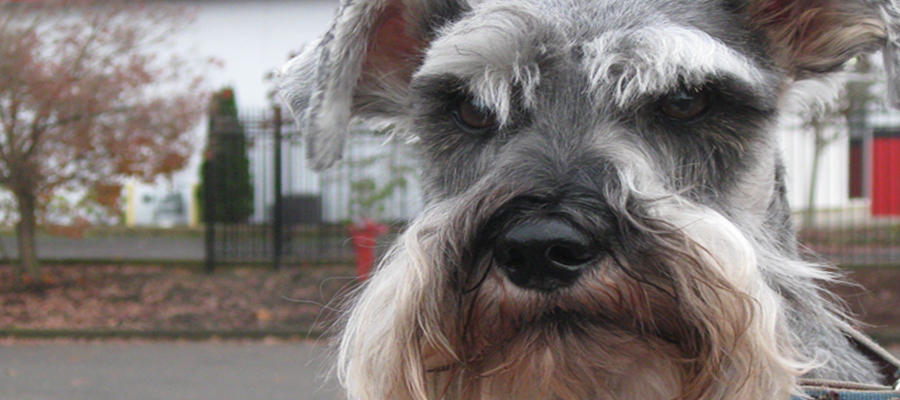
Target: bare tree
{"x": 827, "y": 128}
{"x": 833, "y": 122}
{"x": 86, "y": 99}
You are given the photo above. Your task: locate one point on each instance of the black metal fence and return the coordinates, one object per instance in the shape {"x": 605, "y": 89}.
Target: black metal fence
{"x": 296, "y": 216}
{"x": 844, "y": 186}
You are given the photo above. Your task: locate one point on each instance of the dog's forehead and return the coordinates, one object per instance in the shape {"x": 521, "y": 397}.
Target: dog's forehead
{"x": 624, "y": 48}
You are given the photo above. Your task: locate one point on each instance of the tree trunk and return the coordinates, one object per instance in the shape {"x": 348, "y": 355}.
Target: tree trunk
{"x": 26, "y": 229}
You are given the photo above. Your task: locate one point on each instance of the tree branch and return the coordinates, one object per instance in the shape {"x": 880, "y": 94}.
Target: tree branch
{"x": 39, "y": 130}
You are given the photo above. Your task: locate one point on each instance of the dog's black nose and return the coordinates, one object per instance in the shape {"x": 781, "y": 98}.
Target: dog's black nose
{"x": 545, "y": 254}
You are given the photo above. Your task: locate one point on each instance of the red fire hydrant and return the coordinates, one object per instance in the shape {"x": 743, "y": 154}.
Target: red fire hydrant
{"x": 364, "y": 237}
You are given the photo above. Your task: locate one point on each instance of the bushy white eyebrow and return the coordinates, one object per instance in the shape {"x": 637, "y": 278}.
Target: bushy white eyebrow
{"x": 630, "y": 64}
{"x": 498, "y": 52}
{"x": 494, "y": 53}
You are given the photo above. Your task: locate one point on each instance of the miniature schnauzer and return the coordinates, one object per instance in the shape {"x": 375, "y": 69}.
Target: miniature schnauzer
{"x": 606, "y": 213}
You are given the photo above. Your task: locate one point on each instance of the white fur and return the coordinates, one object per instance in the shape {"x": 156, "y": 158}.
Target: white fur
{"x": 493, "y": 52}
{"x": 395, "y": 333}
{"x": 657, "y": 59}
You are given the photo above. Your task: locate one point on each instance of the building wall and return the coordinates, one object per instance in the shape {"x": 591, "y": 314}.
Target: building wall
{"x": 797, "y": 147}
{"x": 886, "y": 175}
{"x": 250, "y": 39}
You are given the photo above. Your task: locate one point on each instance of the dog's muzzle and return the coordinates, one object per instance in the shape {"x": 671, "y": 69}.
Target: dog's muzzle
{"x": 545, "y": 254}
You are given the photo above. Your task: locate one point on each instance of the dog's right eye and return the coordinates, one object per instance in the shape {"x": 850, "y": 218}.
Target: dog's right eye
{"x": 474, "y": 118}
{"x": 685, "y": 104}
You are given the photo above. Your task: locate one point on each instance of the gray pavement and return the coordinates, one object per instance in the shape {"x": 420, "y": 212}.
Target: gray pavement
{"x": 168, "y": 371}
{"x": 190, "y": 248}
{"x": 164, "y": 371}
{"x": 113, "y": 247}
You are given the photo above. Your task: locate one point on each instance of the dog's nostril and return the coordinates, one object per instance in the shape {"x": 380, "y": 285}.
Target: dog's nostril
{"x": 569, "y": 255}
{"x": 545, "y": 254}
{"x": 510, "y": 255}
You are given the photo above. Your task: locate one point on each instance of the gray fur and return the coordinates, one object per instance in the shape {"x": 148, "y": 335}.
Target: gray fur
{"x": 297, "y": 81}
{"x": 891, "y": 51}
{"x": 679, "y": 206}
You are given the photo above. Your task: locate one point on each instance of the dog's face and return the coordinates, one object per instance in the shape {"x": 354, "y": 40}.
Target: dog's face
{"x": 606, "y": 215}
{"x": 581, "y": 152}
{"x": 622, "y": 88}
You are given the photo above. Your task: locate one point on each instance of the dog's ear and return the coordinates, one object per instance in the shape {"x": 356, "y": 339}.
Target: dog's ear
{"x": 360, "y": 68}
{"x": 813, "y": 37}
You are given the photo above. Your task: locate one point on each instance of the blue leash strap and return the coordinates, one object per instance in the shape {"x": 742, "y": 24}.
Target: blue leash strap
{"x": 830, "y": 390}
{"x": 888, "y": 365}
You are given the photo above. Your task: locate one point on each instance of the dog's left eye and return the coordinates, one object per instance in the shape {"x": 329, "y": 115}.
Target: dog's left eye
{"x": 474, "y": 118}
{"x": 685, "y": 104}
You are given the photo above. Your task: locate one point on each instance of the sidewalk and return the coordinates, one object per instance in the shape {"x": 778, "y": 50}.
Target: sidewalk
{"x": 165, "y": 371}
{"x": 168, "y": 371}
{"x": 112, "y": 248}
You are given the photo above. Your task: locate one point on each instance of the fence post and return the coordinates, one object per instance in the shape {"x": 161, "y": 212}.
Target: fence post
{"x": 277, "y": 225}
{"x": 208, "y": 198}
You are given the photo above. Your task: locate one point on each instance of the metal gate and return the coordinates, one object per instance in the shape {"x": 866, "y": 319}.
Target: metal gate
{"x": 293, "y": 215}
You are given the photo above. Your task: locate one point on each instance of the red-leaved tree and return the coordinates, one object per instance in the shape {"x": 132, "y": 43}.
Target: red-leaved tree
{"x": 87, "y": 99}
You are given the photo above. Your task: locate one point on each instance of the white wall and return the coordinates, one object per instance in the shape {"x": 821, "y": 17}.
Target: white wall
{"x": 797, "y": 146}
{"x": 253, "y": 37}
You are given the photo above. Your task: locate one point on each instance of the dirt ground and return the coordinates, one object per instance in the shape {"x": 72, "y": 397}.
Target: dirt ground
{"x": 157, "y": 298}
{"x": 874, "y": 298}
{"x": 296, "y": 299}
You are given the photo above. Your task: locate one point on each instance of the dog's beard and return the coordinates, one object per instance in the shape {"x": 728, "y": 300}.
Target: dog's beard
{"x": 677, "y": 310}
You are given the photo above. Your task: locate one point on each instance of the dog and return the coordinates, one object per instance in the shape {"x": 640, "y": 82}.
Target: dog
{"x": 605, "y": 202}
